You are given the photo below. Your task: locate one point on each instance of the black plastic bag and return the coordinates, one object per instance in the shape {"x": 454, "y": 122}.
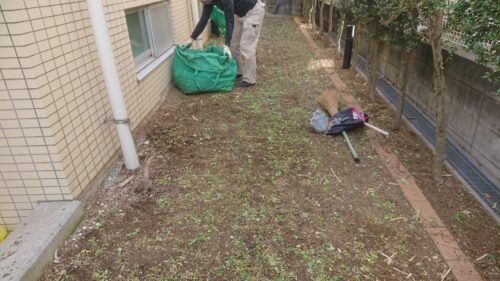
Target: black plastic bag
{"x": 346, "y": 120}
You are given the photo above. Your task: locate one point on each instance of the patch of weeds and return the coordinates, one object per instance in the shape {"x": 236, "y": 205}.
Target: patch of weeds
{"x": 323, "y": 277}
{"x": 279, "y": 218}
{"x": 61, "y": 275}
{"x": 257, "y": 215}
{"x": 224, "y": 127}
{"x": 462, "y": 215}
{"x": 256, "y": 107}
{"x": 371, "y": 257}
{"x": 388, "y": 205}
{"x": 277, "y": 238}
{"x": 370, "y": 192}
{"x": 207, "y": 216}
{"x": 164, "y": 181}
{"x": 98, "y": 252}
{"x": 114, "y": 208}
{"x": 200, "y": 238}
{"x": 80, "y": 257}
{"x": 366, "y": 269}
{"x": 310, "y": 262}
{"x": 337, "y": 216}
{"x": 412, "y": 226}
{"x": 219, "y": 97}
{"x": 391, "y": 217}
{"x": 492, "y": 257}
{"x": 272, "y": 260}
{"x": 134, "y": 233}
{"x": 162, "y": 202}
{"x": 92, "y": 240}
{"x": 100, "y": 275}
{"x": 320, "y": 222}
{"x": 306, "y": 256}
{"x": 97, "y": 225}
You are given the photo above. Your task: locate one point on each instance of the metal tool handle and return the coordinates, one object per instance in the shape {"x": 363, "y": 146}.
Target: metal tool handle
{"x": 351, "y": 148}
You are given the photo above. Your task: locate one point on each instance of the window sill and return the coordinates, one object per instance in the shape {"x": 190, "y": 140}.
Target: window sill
{"x": 144, "y": 71}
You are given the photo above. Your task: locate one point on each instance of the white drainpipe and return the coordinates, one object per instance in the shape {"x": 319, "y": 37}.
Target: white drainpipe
{"x": 113, "y": 87}
{"x": 196, "y": 18}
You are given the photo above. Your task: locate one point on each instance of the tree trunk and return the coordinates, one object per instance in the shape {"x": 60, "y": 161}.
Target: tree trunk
{"x": 439, "y": 93}
{"x": 406, "y": 61}
{"x": 302, "y": 12}
{"x": 305, "y": 10}
{"x": 372, "y": 63}
{"x": 321, "y": 23}
{"x": 355, "y": 51}
{"x": 312, "y": 15}
{"x": 340, "y": 30}
{"x": 330, "y": 17}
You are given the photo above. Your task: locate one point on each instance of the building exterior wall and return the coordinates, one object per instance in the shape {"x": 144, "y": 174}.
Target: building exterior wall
{"x": 474, "y": 117}
{"x": 53, "y": 102}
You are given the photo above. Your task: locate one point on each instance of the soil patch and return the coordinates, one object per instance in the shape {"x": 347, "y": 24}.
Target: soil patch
{"x": 240, "y": 188}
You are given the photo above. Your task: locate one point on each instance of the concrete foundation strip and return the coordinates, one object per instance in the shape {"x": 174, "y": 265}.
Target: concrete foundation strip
{"x": 31, "y": 246}
{"x": 461, "y": 267}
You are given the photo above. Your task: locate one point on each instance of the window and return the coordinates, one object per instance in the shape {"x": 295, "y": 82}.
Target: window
{"x": 150, "y": 32}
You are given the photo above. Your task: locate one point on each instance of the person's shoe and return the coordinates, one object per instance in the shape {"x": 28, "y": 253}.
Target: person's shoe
{"x": 245, "y": 84}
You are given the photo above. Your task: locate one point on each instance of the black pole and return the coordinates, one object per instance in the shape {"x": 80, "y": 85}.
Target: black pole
{"x": 348, "y": 48}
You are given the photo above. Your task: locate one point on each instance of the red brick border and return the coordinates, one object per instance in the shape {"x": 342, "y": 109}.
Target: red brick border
{"x": 462, "y": 268}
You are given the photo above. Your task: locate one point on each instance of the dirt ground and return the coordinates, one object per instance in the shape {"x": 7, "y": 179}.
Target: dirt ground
{"x": 474, "y": 229}
{"x": 237, "y": 187}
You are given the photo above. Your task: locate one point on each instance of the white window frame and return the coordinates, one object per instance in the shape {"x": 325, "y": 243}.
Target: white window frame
{"x": 147, "y": 62}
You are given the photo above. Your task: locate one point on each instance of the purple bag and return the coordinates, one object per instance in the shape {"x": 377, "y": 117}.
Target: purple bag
{"x": 346, "y": 120}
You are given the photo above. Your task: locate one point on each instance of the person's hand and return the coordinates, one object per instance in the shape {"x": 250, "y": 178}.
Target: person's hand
{"x": 188, "y": 43}
{"x": 227, "y": 51}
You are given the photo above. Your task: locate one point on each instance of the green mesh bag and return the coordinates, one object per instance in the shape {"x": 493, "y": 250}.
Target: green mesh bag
{"x": 202, "y": 71}
{"x": 218, "y": 22}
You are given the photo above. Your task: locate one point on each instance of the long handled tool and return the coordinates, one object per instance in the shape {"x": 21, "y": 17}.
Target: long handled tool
{"x": 365, "y": 122}
{"x": 351, "y": 148}
{"x": 377, "y": 129}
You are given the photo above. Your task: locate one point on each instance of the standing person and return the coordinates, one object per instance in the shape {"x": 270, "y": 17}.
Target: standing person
{"x": 243, "y": 24}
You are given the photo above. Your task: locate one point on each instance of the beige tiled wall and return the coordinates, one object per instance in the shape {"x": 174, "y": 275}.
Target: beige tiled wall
{"x": 53, "y": 103}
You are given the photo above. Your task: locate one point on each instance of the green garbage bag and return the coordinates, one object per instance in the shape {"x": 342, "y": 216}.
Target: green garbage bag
{"x": 218, "y": 22}
{"x": 201, "y": 71}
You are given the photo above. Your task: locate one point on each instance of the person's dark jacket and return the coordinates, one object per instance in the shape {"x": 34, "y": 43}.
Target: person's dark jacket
{"x": 230, "y": 8}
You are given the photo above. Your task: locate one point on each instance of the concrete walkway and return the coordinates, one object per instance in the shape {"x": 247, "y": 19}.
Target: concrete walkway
{"x": 31, "y": 246}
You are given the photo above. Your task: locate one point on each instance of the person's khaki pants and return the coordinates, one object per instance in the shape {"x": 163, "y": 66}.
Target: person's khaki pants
{"x": 244, "y": 41}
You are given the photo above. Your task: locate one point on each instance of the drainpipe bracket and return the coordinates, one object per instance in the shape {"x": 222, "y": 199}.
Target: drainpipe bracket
{"x": 117, "y": 121}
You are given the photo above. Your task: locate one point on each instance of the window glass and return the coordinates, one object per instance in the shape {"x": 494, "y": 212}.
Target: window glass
{"x": 138, "y": 34}
{"x": 161, "y": 28}
{"x": 150, "y": 31}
